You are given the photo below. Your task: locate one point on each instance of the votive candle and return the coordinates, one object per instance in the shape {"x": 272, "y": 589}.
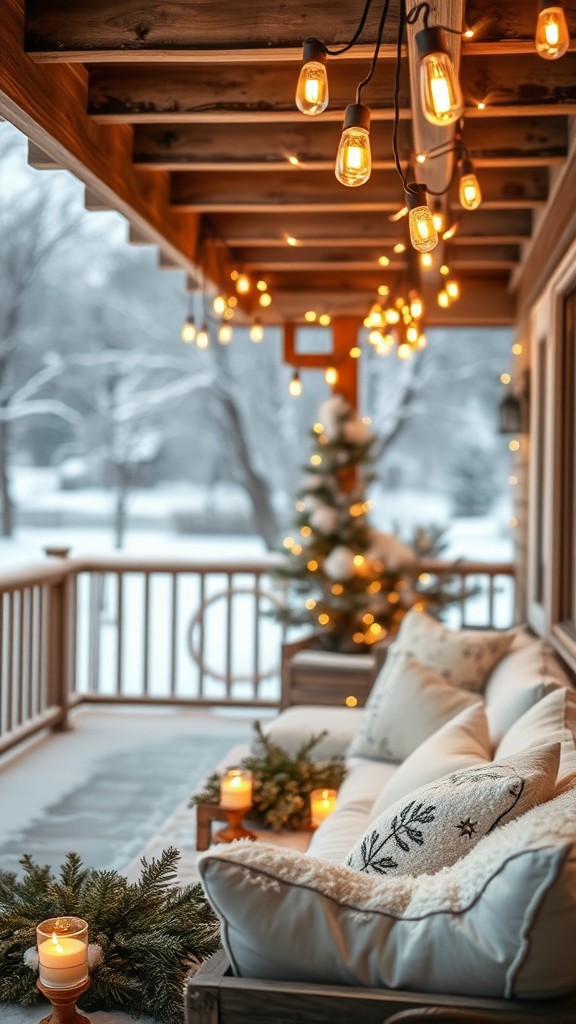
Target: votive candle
{"x": 62, "y": 952}
{"x": 322, "y": 803}
{"x": 236, "y": 789}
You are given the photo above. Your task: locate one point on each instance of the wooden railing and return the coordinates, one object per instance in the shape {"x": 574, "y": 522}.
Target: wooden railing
{"x": 117, "y": 629}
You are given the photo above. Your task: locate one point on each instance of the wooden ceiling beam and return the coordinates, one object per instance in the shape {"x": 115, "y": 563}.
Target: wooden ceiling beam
{"x": 69, "y": 30}
{"x": 49, "y": 106}
{"x": 155, "y": 93}
{"x": 254, "y": 259}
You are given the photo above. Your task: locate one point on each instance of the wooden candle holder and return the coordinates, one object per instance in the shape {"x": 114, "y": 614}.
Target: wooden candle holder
{"x": 64, "y": 1003}
{"x": 234, "y": 829}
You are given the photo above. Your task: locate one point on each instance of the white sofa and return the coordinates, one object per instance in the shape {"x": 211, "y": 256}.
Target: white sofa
{"x": 497, "y": 924}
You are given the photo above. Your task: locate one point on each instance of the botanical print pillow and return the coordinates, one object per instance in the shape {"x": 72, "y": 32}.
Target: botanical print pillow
{"x": 407, "y": 704}
{"x": 432, "y": 827}
{"x": 464, "y": 657}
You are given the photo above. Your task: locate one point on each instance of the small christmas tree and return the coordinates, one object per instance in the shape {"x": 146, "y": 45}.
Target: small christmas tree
{"x": 343, "y": 577}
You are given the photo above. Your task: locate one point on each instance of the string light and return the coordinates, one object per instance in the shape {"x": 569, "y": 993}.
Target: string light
{"x": 331, "y": 375}
{"x": 188, "y": 332}
{"x": 243, "y": 284}
{"x": 203, "y": 338}
{"x": 416, "y": 306}
{"x": 310, "y": 316}
{"x": 514, "y": 445}
{"x": 219, "y": 305}
{"x": 469, "y": 191}
{"x": 453, "y": 289}
{"x": 438, "y": 217}
{"x": 295, "y": 388}
{"x": 256, "y": 330}
{"x": 290, "y": 240}
{"x": 324, "y": 320}
{"x": 440, "y": 93}
{"x": 312, "y": 86}
{"x": 354, "y": 159}
{"x": 400, "y": 247}
{"x": 224, "y": 334}
{"x": 517, "y": 349}
{"x": 450, "y": 231}
{"x": 355, "y": 352}
{"x": 443, "y": 299}
{"x": 292, "y": 159}
{"x": 402, "y": 212}
{"x": 265, "y": 299}
{"x": 552, "y": 36}
{"x": 261, "y": 285}
{"x": 404, "y": 351}
{"x": 444, "y": 270}
{"x": 426, "y": 260}
{"x": 383, "y": 261}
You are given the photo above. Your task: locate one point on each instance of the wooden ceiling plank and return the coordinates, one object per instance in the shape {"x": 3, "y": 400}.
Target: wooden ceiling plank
{"x": 48, "y": 105}
{"x": 69, "y": 29}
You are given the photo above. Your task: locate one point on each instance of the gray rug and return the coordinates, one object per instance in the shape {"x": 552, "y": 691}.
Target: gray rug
{"x": 111, "y": 817}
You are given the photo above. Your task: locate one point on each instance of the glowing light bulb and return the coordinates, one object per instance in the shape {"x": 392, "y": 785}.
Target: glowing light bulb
{"x": 219, "y": 305}
{"x": 188, "y": 332}
{"x": 451, "y": 231}
{"x": 312, "y": 87}
{"x": 412, "y": 334}
{"x": 243, "y": 284}
{"x": 399, "y": 247}
{"x": 325, "y": 319}
{"x": 375, "y": 337}
{"x": 383, "y": 261}
{"x": 505, "y": 378}
{"x": 295, "y": 385}
{"x": 439, "y": 218}
{"x": 225, "y": 334}
{"x": 402, "y": 212}
{"x": 423, "y": 234}
{"x": 404, "y": 351}
{"x": 421, "y": 158}
{"x": 443, "y": 299}
{"x": 256, "y": 331}
{"x": 383, "y": 289}
{"x": 422, "y": 341}
{"x": 203, "y": 338}
{"x": 444, "y": 270}
{"x": 426, "y": 260}
{"x": 310, "y": 316}
{"x": 440, "y": 92}
{"x": 354, "y": 160}
{"x": 552, "y": 36}
{"x": 265, "y": 299}
{"x": 290, "y": 240}
{"x": 416, "y": 306}
{"x": 453, "y": 289}
{"x": 331, "y": 375}
{"x": 469, "y": 189}
{"x": 391, "y": 316}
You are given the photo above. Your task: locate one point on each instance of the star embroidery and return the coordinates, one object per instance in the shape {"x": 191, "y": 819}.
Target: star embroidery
{"x": 467, "y": 828}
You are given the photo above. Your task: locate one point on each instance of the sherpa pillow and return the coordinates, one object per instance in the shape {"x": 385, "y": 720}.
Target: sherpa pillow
{"x": 407, "y": 703}
{"x": 464, "y": 657}
{"x": 498, "y": 923}
{"x": 434, "y": 826}
{"x": 460, "y": 743}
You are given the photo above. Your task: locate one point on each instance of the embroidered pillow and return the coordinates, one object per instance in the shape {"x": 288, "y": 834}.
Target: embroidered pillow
{"x": 432, "y": 827}
{"x": 407, "y": 704}
{"x": 464, "y": 657}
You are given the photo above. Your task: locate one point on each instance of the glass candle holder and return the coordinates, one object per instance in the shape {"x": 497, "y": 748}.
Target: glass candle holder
{"x": 236, "y": 789}
{"x": 62, "y": 952}
{"x": 322, "y": 803}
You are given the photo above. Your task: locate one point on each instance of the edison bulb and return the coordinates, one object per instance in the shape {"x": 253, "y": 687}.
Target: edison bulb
{"x": 256, "y": 331}
{"x": 391, "y": 316}
{"x": 404, "y": 351}
{"x": 354, "y": 159}
{"x": 224, "y": 334}
{"x": 295, "y": 386}
{"x": 416, "y": 307}
{"x": 469, "y": 190}
{"x": 440, "y": 92}
{"x": 265, "y": 298}
{"x": 438, "y": 218}
{"x": 552, "y": 36}
{"x": 426, "y": 260}
{"x": 412, "y": 334}
{"x": 243, "y": 284}
{"x": 312, "y": 87}
{"x": 453, "y": 289}
{"x": 422, "y": 232}
{"x": 219, "y": 305}
{"x": 203, "y": 338}
{"x": 331, "y": 375}
{"x": 443, "y": 299}
{"x": 188, "y": 332}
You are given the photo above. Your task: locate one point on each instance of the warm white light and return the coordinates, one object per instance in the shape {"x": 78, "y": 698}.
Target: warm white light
{"x": 355, "y": 352}
{"x": 416, "y": 307}
{"x": 219, "y": 305}
{"x": 399, "y": 247}
{"x": 290, "y": 240}
{"x": 438, "y": 218}
{"x": 391, "y": 316}
{"x": 203, "y": 338}
{"x": 256, "y": 331}
{"x": 261, "y": 285}
{"x": 453, "y": 289}
{"x": 243, "y": 284}
{"x": 412, "y": 334}
{"x": 426, "y": 260}
{"x": 552, "y": 36}
{"x": 225, "y": 334}
{"x": 331, "y": 375}
{"x": 265, "y": 299}
{"x": 451, "y": 231}
{"x": 383, "y": 290}
{"x": 383, "y": 261}
{"x": 188, "y": 332}
{"x": 324, "y": 319}
{"x": 421, "y": 158}
{"x": 312, "y": 88}
{"x": 295, "y": 385}
{"x": 444, "y": 270}
{"x": 422, "y": 231}
{"x": 310, "y": 316}
{"x": 402, "y": 212}
{"x": 469, "y": 33}
{"x": 294, "y": 161}
{"x": 481, "y": 106}
{"x": 354, "y": 159}
{"x": 505, "y": 378}
{"x": 469, "y": 191}
{"x": 404, "y": 351}
{"x": 440, "y": 92}
{"x": 443, "y": 299}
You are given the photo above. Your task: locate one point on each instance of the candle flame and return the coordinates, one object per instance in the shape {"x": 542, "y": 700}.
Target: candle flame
{"x": 56, "y": 943}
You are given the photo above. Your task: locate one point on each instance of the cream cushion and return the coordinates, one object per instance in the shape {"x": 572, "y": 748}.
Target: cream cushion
{"x": 500, "y": 922}
{"x": 408, "y": 702}
{"x": 295, "y": 725}
{"x": 363, "y": 782}
{"x": 519, "y": 681}
{"x": 460, "y": 743}
{"x": 553, "y": 717}
{"x": 464, "y": 657}
{"x": 434, "y": 826}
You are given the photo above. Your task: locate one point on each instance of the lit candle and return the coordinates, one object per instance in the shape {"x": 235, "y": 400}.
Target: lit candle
{"x": 63, "y": 952}
{"x": 322, "y": 803}
{"x": 236, "y": 789}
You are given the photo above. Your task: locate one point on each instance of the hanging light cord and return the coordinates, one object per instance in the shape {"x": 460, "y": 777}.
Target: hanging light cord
{"x": 355, "y": 37}
{"x": 381, "y": 25}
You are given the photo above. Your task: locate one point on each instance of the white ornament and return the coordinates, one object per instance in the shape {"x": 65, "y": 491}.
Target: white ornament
{"x": 95, "y": 955}
{"x": 30, "y": 958}
{"x": 386, "y": 548}
{"x": 324, "y": 518}
{"x": 339, "y": 564}
{"x": 331, "y": 414}
{"x": 357, "y": 432}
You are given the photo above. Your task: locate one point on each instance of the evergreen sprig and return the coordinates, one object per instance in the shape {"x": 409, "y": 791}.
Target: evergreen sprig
{"x": 281, "y": 782}
{"x": 150, "y": 931}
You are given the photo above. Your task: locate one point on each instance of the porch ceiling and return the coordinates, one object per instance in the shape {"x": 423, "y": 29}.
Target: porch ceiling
{"x": 182, "y": 116}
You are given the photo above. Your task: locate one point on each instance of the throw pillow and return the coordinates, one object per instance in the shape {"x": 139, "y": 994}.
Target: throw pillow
{"x": 407, "y": 703}
{"x": 434, "y": 826}
{"x": 464, "y": 657}
{"x": 460, "y": 743}
{"x": 519, "y": 681}
{"x": 552, "y": 718}
{"x": 499, "y": 923}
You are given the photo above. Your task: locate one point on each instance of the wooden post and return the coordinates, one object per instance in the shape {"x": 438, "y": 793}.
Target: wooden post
{"x": 344, "y": 337}
{"x": 60, "y": 665}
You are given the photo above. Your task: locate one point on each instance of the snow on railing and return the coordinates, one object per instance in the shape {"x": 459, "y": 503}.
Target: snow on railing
{"x": 119, "y": 629}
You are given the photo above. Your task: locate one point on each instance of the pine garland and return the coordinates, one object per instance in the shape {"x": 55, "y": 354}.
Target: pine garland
{"x": 281, "y": 783}
{"x": 151, "y": 932}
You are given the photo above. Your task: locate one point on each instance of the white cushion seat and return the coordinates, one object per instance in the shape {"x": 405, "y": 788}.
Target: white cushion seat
{"x": 296, "y": 724}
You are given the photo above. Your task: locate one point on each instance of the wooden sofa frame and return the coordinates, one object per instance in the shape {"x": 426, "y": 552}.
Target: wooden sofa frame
{"x": 214, "y": 996}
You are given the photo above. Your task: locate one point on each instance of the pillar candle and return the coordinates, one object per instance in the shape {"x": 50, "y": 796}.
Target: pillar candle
{"x": 236, "y": 789}
{"x": 322, "y": 803}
